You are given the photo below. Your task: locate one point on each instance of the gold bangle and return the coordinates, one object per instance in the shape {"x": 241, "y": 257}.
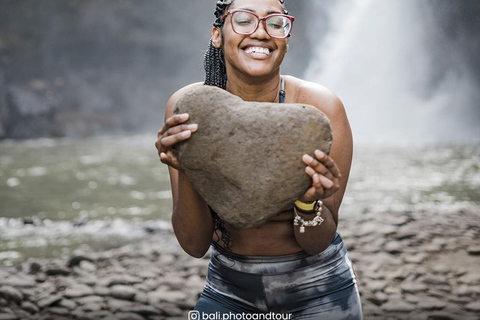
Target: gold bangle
{"x": 305, "y": 206}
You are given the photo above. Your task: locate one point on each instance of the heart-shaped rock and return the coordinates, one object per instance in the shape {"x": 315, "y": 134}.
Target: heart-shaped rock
{"x": 245, "y": 160}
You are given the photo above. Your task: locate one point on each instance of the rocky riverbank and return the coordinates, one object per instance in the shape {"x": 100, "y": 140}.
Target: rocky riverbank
{"x": 420, "y": 265}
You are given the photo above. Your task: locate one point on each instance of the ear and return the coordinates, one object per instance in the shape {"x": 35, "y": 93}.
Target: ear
{"x": 216, "y": 37}
{"x": 287, "y": 45}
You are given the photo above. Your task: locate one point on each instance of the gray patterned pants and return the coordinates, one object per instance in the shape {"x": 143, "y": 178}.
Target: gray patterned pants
{"x": 298, "y": 286}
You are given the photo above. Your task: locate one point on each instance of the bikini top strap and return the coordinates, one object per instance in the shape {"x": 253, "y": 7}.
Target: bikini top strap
{"x": 281, "y": 96}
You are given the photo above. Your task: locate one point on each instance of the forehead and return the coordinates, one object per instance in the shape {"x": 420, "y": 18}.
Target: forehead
{"x": 258, "y": 6}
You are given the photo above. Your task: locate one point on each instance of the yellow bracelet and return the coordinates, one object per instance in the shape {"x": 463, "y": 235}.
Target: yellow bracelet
{"x": 305, "y": 206}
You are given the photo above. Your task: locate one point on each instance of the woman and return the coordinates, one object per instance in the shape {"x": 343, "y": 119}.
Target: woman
{"x": 291, "y": 264}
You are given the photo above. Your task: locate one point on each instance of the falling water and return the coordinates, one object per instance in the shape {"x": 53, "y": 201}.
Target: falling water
{"x": 399, "y": 77}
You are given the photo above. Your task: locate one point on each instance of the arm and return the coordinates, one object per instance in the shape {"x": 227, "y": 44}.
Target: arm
{"x": 191, "y": 218}
{"x": 329, "y": 173}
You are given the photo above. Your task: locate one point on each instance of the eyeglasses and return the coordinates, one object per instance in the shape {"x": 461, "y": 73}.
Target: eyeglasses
{"x": 276, "y": 25}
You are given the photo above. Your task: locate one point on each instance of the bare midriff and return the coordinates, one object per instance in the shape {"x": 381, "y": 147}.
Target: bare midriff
{"x": 274, "y": 238}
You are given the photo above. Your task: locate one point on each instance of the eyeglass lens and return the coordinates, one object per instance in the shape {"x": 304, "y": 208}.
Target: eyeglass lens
{"x": 276, "y": 26}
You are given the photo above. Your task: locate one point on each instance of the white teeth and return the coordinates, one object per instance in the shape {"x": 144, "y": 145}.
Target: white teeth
{"x": 264, "y": 51}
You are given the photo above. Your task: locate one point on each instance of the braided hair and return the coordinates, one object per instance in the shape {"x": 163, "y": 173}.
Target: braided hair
{"x": 216, "y": 75}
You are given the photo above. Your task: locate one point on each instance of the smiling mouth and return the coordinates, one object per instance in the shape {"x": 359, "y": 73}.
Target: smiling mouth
{"x": 258, "y": 51}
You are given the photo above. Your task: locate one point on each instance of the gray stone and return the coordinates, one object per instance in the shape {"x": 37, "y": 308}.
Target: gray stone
{"x": 431, "y": 304}
{"x": 123, "y": 292}
{"x": 77, "y": 291}
{"x": 20, "y": 281}
{"x": 58, "y": 311}
{"x": 8, "y": 316}
{"x": 474, "y": 306}
{"x": 29, "y": 306}
{"x": 145, "y": 311}
{"x": 413, "y": 288}
{"x": 10, "y": 293}
{"x": 440, "y": 316}
{"x": 245, "y": 159}
{"x": 398, "y": 306}
{"x": 55, "y": 270}
{"x": 45, "y": 302}
{"x": 473, "y": 250}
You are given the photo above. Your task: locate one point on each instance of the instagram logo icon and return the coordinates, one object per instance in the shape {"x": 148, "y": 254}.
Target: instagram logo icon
{"x": 194, "y": 315}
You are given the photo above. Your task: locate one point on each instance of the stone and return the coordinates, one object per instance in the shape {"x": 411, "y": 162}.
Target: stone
{"x": 55, "y": 270}
{"x": 398, "y": 306}
{"x": 8, "y": 316}
{"x": 146, "y": 311}
{"x": 10, "y": 293}
{"x": 19, "y": 281}
{"x": 413, "y": 288}
{"x": 29, "y": 307}
{"x": 48, "y": 301}
{"x": 474, "y": 306}
{"x": 473, "y": 250}
{"x": 245, "y": 160}
{"x": 123, "y": 292}
{"x": 431, "y": 304}
{"x": 78, "y": 291}
{"x": 440, "y": 316}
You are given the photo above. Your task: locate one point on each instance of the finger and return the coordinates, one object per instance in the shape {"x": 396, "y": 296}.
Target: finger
{"x": 180, "y": 128}
{"x": 326, "y": 183}
{"x": 174, "y": 120}
{"x": 169, "y": 141}
{"x": 169, "y": 159}
{"x": 317, "y": 166}
{"x": 327, "y": 162}
{"x": 313, "y": 194}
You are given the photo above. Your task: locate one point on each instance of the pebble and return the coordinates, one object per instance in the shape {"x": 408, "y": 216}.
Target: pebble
{"x": 45, "y": 302}
{"x": 431, "y": 304}
{"x": 474, "y": 306}
{"x": 413, "y": 287}
{"x": 473, "y": 250}
{"x": 398, "y": 306}
{"x": 30, "y": 307}
{"x": 123, "y": 292}
{"x": 77, "y": 291}
{"x": 10, "y": 293}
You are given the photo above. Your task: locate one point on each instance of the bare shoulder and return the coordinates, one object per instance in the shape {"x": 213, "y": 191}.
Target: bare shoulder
{"x": 177, "y": 95}
{"x": 316, "y": 95}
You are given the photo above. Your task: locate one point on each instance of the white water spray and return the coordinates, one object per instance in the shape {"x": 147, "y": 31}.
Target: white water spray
{"x": 378, "y": 56}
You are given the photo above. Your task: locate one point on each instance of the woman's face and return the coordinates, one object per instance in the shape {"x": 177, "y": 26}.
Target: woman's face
{"x": 255, "y": 55}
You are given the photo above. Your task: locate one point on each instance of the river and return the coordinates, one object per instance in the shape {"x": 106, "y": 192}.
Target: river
{"x": 57, "y": 195}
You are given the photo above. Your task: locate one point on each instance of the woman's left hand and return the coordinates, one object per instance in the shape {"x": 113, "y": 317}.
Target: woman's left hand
{"x": 325, "y": 176}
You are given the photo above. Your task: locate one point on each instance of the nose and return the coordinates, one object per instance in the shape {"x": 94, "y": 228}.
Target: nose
{"x": 261, "y": 32}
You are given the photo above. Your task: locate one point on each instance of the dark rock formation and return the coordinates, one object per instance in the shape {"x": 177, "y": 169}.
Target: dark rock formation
{"x": 246, "y": 157}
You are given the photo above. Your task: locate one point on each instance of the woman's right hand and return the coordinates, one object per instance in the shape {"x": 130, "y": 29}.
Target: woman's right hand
{"x": 173, "y": 131}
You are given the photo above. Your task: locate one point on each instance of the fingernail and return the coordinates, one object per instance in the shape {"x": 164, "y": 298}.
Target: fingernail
{"x": 193, "y": 127}
{"x": 309, "y": 170}
{"x": 327, "y": 183}
{"x": 319, "y": 153}
{"x": 307, "y": 158}
{"x": 186, "y": 134}
{"x": 315, "y": 178}
{"x": 184, "y": 116}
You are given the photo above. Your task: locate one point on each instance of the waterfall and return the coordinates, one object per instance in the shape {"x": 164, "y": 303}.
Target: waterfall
{"x": 399, "y": 77}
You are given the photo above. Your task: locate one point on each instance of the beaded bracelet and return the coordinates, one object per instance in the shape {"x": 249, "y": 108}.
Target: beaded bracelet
{"x": 310, "y": 223}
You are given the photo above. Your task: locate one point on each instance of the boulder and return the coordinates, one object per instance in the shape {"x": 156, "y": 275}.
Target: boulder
{"x": 245, "y": 160}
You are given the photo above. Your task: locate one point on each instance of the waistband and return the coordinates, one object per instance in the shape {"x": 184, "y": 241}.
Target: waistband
{"x": 221, "y": 257}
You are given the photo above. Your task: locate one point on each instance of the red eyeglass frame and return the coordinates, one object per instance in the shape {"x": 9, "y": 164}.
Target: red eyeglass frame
{"x": 264, "y": 19}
